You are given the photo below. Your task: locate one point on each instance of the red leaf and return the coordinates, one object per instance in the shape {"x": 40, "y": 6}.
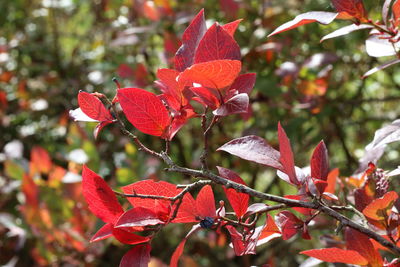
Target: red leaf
{"x": 216, "y": 74}
{"x": 361, "y": 243}
{"x": 170, "y": 86}
{"x": 217, "y": 44}
{"x": 336, "y": 255}
{"x": 231, "y": 27}
{"x": 30, "y": 190}
{"x": 138, "y": 256}
{"x": 319, "y": 162}
{"x": 255, "y": 149}
{"x": 270, "y": 231}
{"x": 379, "y": 208}
{"x": 125, "y": 71}
{"x": 244, "y": 245}
{"x": 237, "y": 104}
{"x": 351, "y": 8}
{"x": 93, "y": 107}
{"x": 229, "y": 7}
{"x": 138, "y": 217}
{"x": 101, "y": 199}
{"x": 289, "y": 224}
{"x": 332, "y": 177}
{"x": 239, "y": 201}
{"x": 208, "y": 96}
{"x": 103, "y": 233}
{"x": 205, "y": 203}
{"x": 191, "y": 37}
{"x": 99, "y": 127}
{"x": 179, "y": 250}
{"x": 144, "y": 110}
{"x": 129, "y": 238}
{"x": 396, "y": 12}
{"x": 306, "y": 18}
{"x": 244, "y": 83}
{"x": 286, "y": 155}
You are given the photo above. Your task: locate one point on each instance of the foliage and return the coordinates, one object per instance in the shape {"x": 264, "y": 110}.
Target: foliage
{"x": 51, "y": 49}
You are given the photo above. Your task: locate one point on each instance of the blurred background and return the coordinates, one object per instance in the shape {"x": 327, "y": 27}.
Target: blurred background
{"x": 51, "y": 49}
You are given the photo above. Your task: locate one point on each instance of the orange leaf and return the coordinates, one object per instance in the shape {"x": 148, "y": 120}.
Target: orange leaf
{"x": 336, "y": 255}
{"x": 380, "y": 207}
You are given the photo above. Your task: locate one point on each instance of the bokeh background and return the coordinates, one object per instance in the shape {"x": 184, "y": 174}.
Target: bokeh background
{"x": 51, "y": 49}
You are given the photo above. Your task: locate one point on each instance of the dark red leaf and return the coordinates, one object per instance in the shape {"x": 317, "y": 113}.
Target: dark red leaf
{"x": 208, "y": 96}
{"x": 336, "y": 255}
{"x": 205, "y": 203}
{"x": 244, "y": 245}
{"x": 138, "y": 256}
{"x": 319, "y": 162}
{"x": 100, "y": 197}
{"x": 191, "y": 37}
{"x": 93, "y": 107}
{"x": 103, "y": 233}
{"x": 380, "y": 208}
{"x": 139, "y": 217}
{"x": 216, "y": 74}
{"x": 255, "y": 149}
{"x": 129, "y": 238}
{"x": 352, "y": 8}
{"x": 244, "y": 83}
{"x": 361, "y": 243}
{"x": 229, "y": 7}
{"x": 286, "y": 155}
{"x": 237, "y": 104}
{"x": 288, "y": 223}
{"x": 217, "y": 44}
{"x": 231, "y": 27}
{"x": 239, "y": 201}
{"x": 144, "y": 110}
{"x": 306, "y": 18}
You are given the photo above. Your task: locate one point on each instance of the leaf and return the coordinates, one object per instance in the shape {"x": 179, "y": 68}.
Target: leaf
{"x": 385, "y": 11}
{"x": 207, "y": 96}
{"x": 93, "y": 107}
{"x": 385, "y": 135}
{"x": 319, "y": 162}
{"x": 239, "y": 201}
{"x": 332, "y": 177}
{"x": 361, "y": 243}
{"x": 138, "y": 217}
{"x": 179, "y": 250}
{"x": 380, "y": 208}
{"x": 381, "y": 67}
{"x": 377, "y": 46}
{"x": 336, "y": 255}
{"x": 346, "y": 30}
{"x": 244, "y": 245}
{"x": 144, "y": 110}
{"x": 306, "y": 18}
{"x": 288, "y": 223}
{"x": 236, "y": 105}
{"x": 138, "y": 256}
{"x": 396, "y": 12}
{"x": 190, "y": 39}
{"x": 286, "y": 155}
{"x": 101, "y": 199}
{"x": 253, "y": 148}
{"x": 244, "y": 83}
{"x": 216, "y": 74}
{"x": 40, "y": 161}
{"x": 217, "y": 44}
{"x": 304, "y": 211}
{"x": 270, "y": 231}
{"x": 170, "y": 86}
{"x": 205, "y": 203}
{"x": 103, "y": 233}
{"x": 231, "y": 27}
{"x": 79, "y": 115}
{"x": 353, "y": 8}
{"x": 129, "y": 238}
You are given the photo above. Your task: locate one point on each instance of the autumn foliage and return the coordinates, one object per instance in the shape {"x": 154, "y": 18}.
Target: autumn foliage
{"x": 208, "y": 80}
